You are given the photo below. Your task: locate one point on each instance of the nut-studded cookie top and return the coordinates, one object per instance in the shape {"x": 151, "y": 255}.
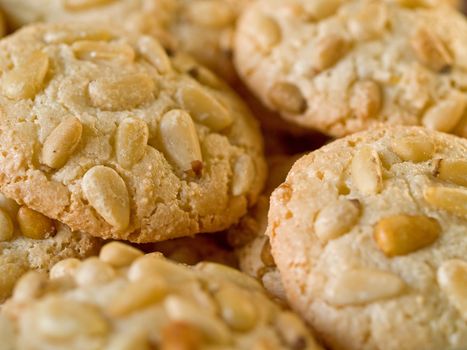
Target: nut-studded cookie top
{"x": 369, "y": 234}
{"x": 109, "y": 135}
{"x": 204, "y": 28}
{"x": 344, "y": 66}
{"x": 127, "y": 300}
{"x": 31, "y": 241}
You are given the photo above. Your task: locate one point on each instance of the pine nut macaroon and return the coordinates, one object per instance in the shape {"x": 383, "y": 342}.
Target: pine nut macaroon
{"x": 126, "y": 300}
{"x": 204, "y": 28}
{"x": 345, "y": 66}
{"x": 248, "y": 237}
{"x": 31, "y": 241}
{"x": 106, "y": 133}
{"x": 369, "y": 235}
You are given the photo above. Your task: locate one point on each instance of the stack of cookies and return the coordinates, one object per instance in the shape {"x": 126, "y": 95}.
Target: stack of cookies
{"x": 233, "y": 174}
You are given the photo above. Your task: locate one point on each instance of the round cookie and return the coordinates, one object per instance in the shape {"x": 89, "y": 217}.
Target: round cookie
{"x": 248, "y": 236}
{"x": 125, "y": 143}
{"x": 126, "y": 300}
{"x": 30, "y": 241}
{"x": 204, "y": 28}
{"x": 369, "y": 235}
{"x": 345, "y": 66}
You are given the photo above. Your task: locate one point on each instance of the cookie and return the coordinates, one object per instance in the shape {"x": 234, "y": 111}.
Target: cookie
{"x": 345, "y": 66}
{"x": 204, "y": 28}
{"x": 192, "y": 250}
{"x": 30, "y": 241}
{"x": 127, "y": 300}
{"x": 125, "y": 144}
{"x": 248, "y": 236}
{"x": 369, "y": 235}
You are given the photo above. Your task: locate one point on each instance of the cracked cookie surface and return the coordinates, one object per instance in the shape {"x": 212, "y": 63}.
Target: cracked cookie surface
{"x": 204, "y": 28}
{"x": 127, "y": 300}
{"x": 369, "y": 235}
{"x": 29, "y": 241}
{"x": 344, "y": 66}
{"x": 106, "y": 133}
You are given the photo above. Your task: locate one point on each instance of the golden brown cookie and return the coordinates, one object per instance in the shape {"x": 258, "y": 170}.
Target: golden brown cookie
{"x": 129, "y": 301}
{"x": 369, "y": 235}
{"x": 344, "y": 66}
{"x": 106, "y": 133}
{"x": 203, "y": 28}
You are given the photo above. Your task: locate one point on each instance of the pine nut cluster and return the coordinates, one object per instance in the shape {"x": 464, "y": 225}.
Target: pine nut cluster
{"x": 125, "y": 300}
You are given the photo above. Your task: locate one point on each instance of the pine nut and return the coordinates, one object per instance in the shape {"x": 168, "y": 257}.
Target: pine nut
{"x": 236, "y": 309}
{"x": 118, "y": 93}
{"x": 452, "y": 278}
{"x": 91, "y": 50}
{"x": 64, "y": 268}
{"x": 453, "y": 200}
{"x": 152, "y": 51}
{"x": 31, "y": 285}
{"x": 320, "y": 9}
{"x": 413, "y": 148}
{"x": 152, "y": 266}
{"x": 6, "y": 226}
{"x": 366, "y": 100}
{"x": 63, "y": 319}
{"x": 453, "y": 170}
{"x": 328, "y": 51}
{"x": 61, "y": 143}
{"x": 328, "y": 228}
{"x": 404, "y": 234}
{"x": 211, "y": 13}
{"x": 119, "y": 254}
{"x": 182, "y": 310}
{"x": 34, "y": 225}
{"x": 131, "y": 141}
{"x": 367, "y": 171}
{"x": 287, "y": 97}
{"x": 446, "y": 114}
{"x": 26, "y": 79}
{"x": 107, "y": 193}
{"x": 356, "y": 287}
{"x": 430, "y": 50}
{"x": 9, "y": 206}
{"x": 224, "y": 272}
{"x": 243, "y": 175}
{"x": 69, "y": 37}
{"x": 93, "y": 271}
{"x": 180, "y": 139}
{"x": 204, "y": 108}
{"x": 138, "y": 295}
{"x": 265, "y": 31}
